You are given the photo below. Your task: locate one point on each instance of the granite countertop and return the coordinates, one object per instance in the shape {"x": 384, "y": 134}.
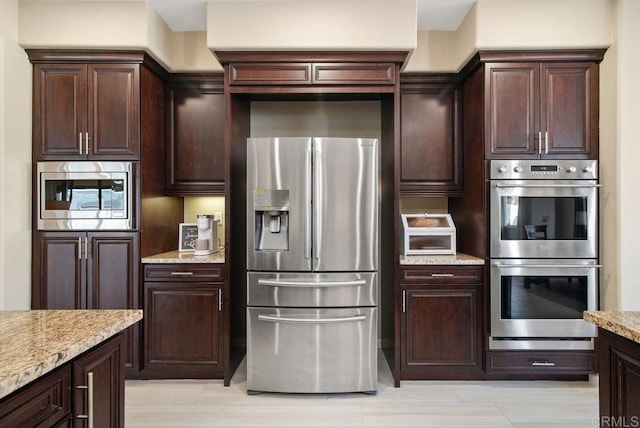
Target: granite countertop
{"x": 441, "y": 259}
{"x": 32, "y": 343}
{"x": 184, "y": 257}
{"x": 623, "y": 323}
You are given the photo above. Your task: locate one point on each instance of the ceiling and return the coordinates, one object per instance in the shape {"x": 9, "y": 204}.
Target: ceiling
{"x": 190, "y": 15}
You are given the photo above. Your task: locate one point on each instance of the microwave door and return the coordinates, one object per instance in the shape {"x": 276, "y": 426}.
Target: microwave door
{"x": 345, "y": 199}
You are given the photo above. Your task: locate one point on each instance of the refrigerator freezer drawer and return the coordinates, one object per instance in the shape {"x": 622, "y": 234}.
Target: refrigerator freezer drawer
{"x": 312, "y": 289}
{"x": 311, "y": 350}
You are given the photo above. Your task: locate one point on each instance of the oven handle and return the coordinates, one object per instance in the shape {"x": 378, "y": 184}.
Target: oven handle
{"x": 542, "y": 266}
{"x": 319, "y": 284}
{"x": 270, "y": 318}
{"x": 572, "y": 186}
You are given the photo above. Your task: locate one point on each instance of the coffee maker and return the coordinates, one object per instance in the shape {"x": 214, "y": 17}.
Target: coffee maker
{"x": 207, "y": 241}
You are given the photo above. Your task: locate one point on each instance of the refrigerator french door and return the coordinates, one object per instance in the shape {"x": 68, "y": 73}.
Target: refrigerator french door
{"x": 312, "y": 261}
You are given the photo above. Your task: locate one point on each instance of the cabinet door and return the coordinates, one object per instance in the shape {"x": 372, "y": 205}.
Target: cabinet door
{"x": 171, "y": 310}
{"x": 59, "y": 268}
{"x": 440, "y": 328}
{"x": 511, "y": 110}
{"x": 113, "y": 275}
{"x": 431, "y": 143}
{"x": 59, "y": 111}
{"x": 195, "y": 140}
{"x": 113, "y": 111}
{"x": 569, "y": 109}
{"x": 106, "y": 386}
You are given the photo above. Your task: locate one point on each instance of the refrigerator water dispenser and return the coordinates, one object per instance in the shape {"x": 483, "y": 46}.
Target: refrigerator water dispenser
{"x": 271, "y": 213}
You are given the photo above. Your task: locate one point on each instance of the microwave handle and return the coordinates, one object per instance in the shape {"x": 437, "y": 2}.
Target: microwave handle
{"x": 505, "y": 185}
{"x": 543, "y": 266}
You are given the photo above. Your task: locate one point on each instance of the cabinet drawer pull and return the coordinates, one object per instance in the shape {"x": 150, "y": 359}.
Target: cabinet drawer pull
{"x": 181, "y": 273}
{"x": 442, "y": 275}
{"x": 80, "y": 142}
{"x": 543, "y": 364}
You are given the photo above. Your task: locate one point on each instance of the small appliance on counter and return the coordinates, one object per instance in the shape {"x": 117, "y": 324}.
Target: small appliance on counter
{"x": 207, "y": 241}
{"x": 428, "y": 234}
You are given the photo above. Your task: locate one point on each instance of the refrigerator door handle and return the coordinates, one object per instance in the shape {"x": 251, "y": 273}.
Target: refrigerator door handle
{"x": 319, "y": 284}
{"x": 308, "y": 207}
{"x": 317, "y": 195}
{"x": 270, "y": 318}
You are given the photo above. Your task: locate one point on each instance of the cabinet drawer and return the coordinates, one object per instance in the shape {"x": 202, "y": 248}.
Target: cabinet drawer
{"x": 270, "y": 73}
{"x": 539, "y": 362}
{"x": 43, "y": 403}
{"x": 448, "y": 274}
{"x": 183, "y": 272}
{"x": 353, "y": 73}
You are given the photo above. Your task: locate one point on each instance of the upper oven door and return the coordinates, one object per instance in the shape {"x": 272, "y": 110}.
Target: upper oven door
{"x": 543, "y": 218}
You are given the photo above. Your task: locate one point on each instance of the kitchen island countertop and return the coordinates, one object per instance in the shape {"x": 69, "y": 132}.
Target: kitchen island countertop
{"x": 33, "y": 343}
{"x": 184, "y": 257}
{"x": 622, "y": 323}
{"x": 441, "y": 259}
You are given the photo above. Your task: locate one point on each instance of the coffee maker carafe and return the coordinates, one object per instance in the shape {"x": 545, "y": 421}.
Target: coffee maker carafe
{"x": 207, "y": 241}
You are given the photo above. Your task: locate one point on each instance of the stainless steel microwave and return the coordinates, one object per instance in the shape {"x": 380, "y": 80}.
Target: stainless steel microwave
{"x": 85, "y": 195}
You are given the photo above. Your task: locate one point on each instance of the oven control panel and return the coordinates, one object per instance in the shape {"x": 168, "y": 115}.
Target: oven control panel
{"x": 544, "y": 169}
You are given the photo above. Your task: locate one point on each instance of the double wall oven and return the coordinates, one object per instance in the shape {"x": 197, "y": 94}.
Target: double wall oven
{"x": 544, "y": 249}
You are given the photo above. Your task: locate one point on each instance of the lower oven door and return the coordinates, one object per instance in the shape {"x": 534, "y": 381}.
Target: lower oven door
{"x": 538, "y": 303}
{"x": 311, "y": 350}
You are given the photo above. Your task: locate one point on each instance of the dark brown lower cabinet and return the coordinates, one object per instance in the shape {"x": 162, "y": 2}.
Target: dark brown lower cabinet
{"x": 88, "y": 270}
{"x": 441, "y": 322}
{"x": 619, "y": 363}
{"x": 183, "y": 321}
{"x": 100, "y": 374}
{"x": 60, "y": 398}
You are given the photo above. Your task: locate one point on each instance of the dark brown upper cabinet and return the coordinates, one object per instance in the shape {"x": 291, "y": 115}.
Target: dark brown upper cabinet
{"x": 86, "y": 111}
{"x": 308, "y": 73}
{"x": 431, "y": 136}
{"x": 541, "y": 104}
{"x": 195, "y": 110}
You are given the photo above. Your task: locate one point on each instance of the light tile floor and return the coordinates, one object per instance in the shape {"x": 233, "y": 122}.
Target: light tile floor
{"x": 494, "y": 404}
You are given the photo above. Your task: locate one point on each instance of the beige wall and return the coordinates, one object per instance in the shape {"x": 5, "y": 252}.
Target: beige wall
{"x": 190, "y": 52}
{"x": 324, "y": 24}
{"x": 620, "y": 150}
{"x": 15, "y": 164}
{"x": 95, "y": 24}
{"x": 542, "y": 23}
{"x": 514, "y": 24}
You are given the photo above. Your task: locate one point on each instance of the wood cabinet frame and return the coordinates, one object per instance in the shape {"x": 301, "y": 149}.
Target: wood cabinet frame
{"x": 340, "y": 76}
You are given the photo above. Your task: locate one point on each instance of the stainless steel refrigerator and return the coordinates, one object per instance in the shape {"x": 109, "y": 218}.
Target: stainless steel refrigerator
{"x": 312, "y": 262}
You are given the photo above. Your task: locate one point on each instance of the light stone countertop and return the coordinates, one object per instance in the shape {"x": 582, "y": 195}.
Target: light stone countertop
{"x": 184, "y": 257}
{"x": 623, "y": 323}
{"x": 441, "y": 259}
{"x": 32, "y": 343}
